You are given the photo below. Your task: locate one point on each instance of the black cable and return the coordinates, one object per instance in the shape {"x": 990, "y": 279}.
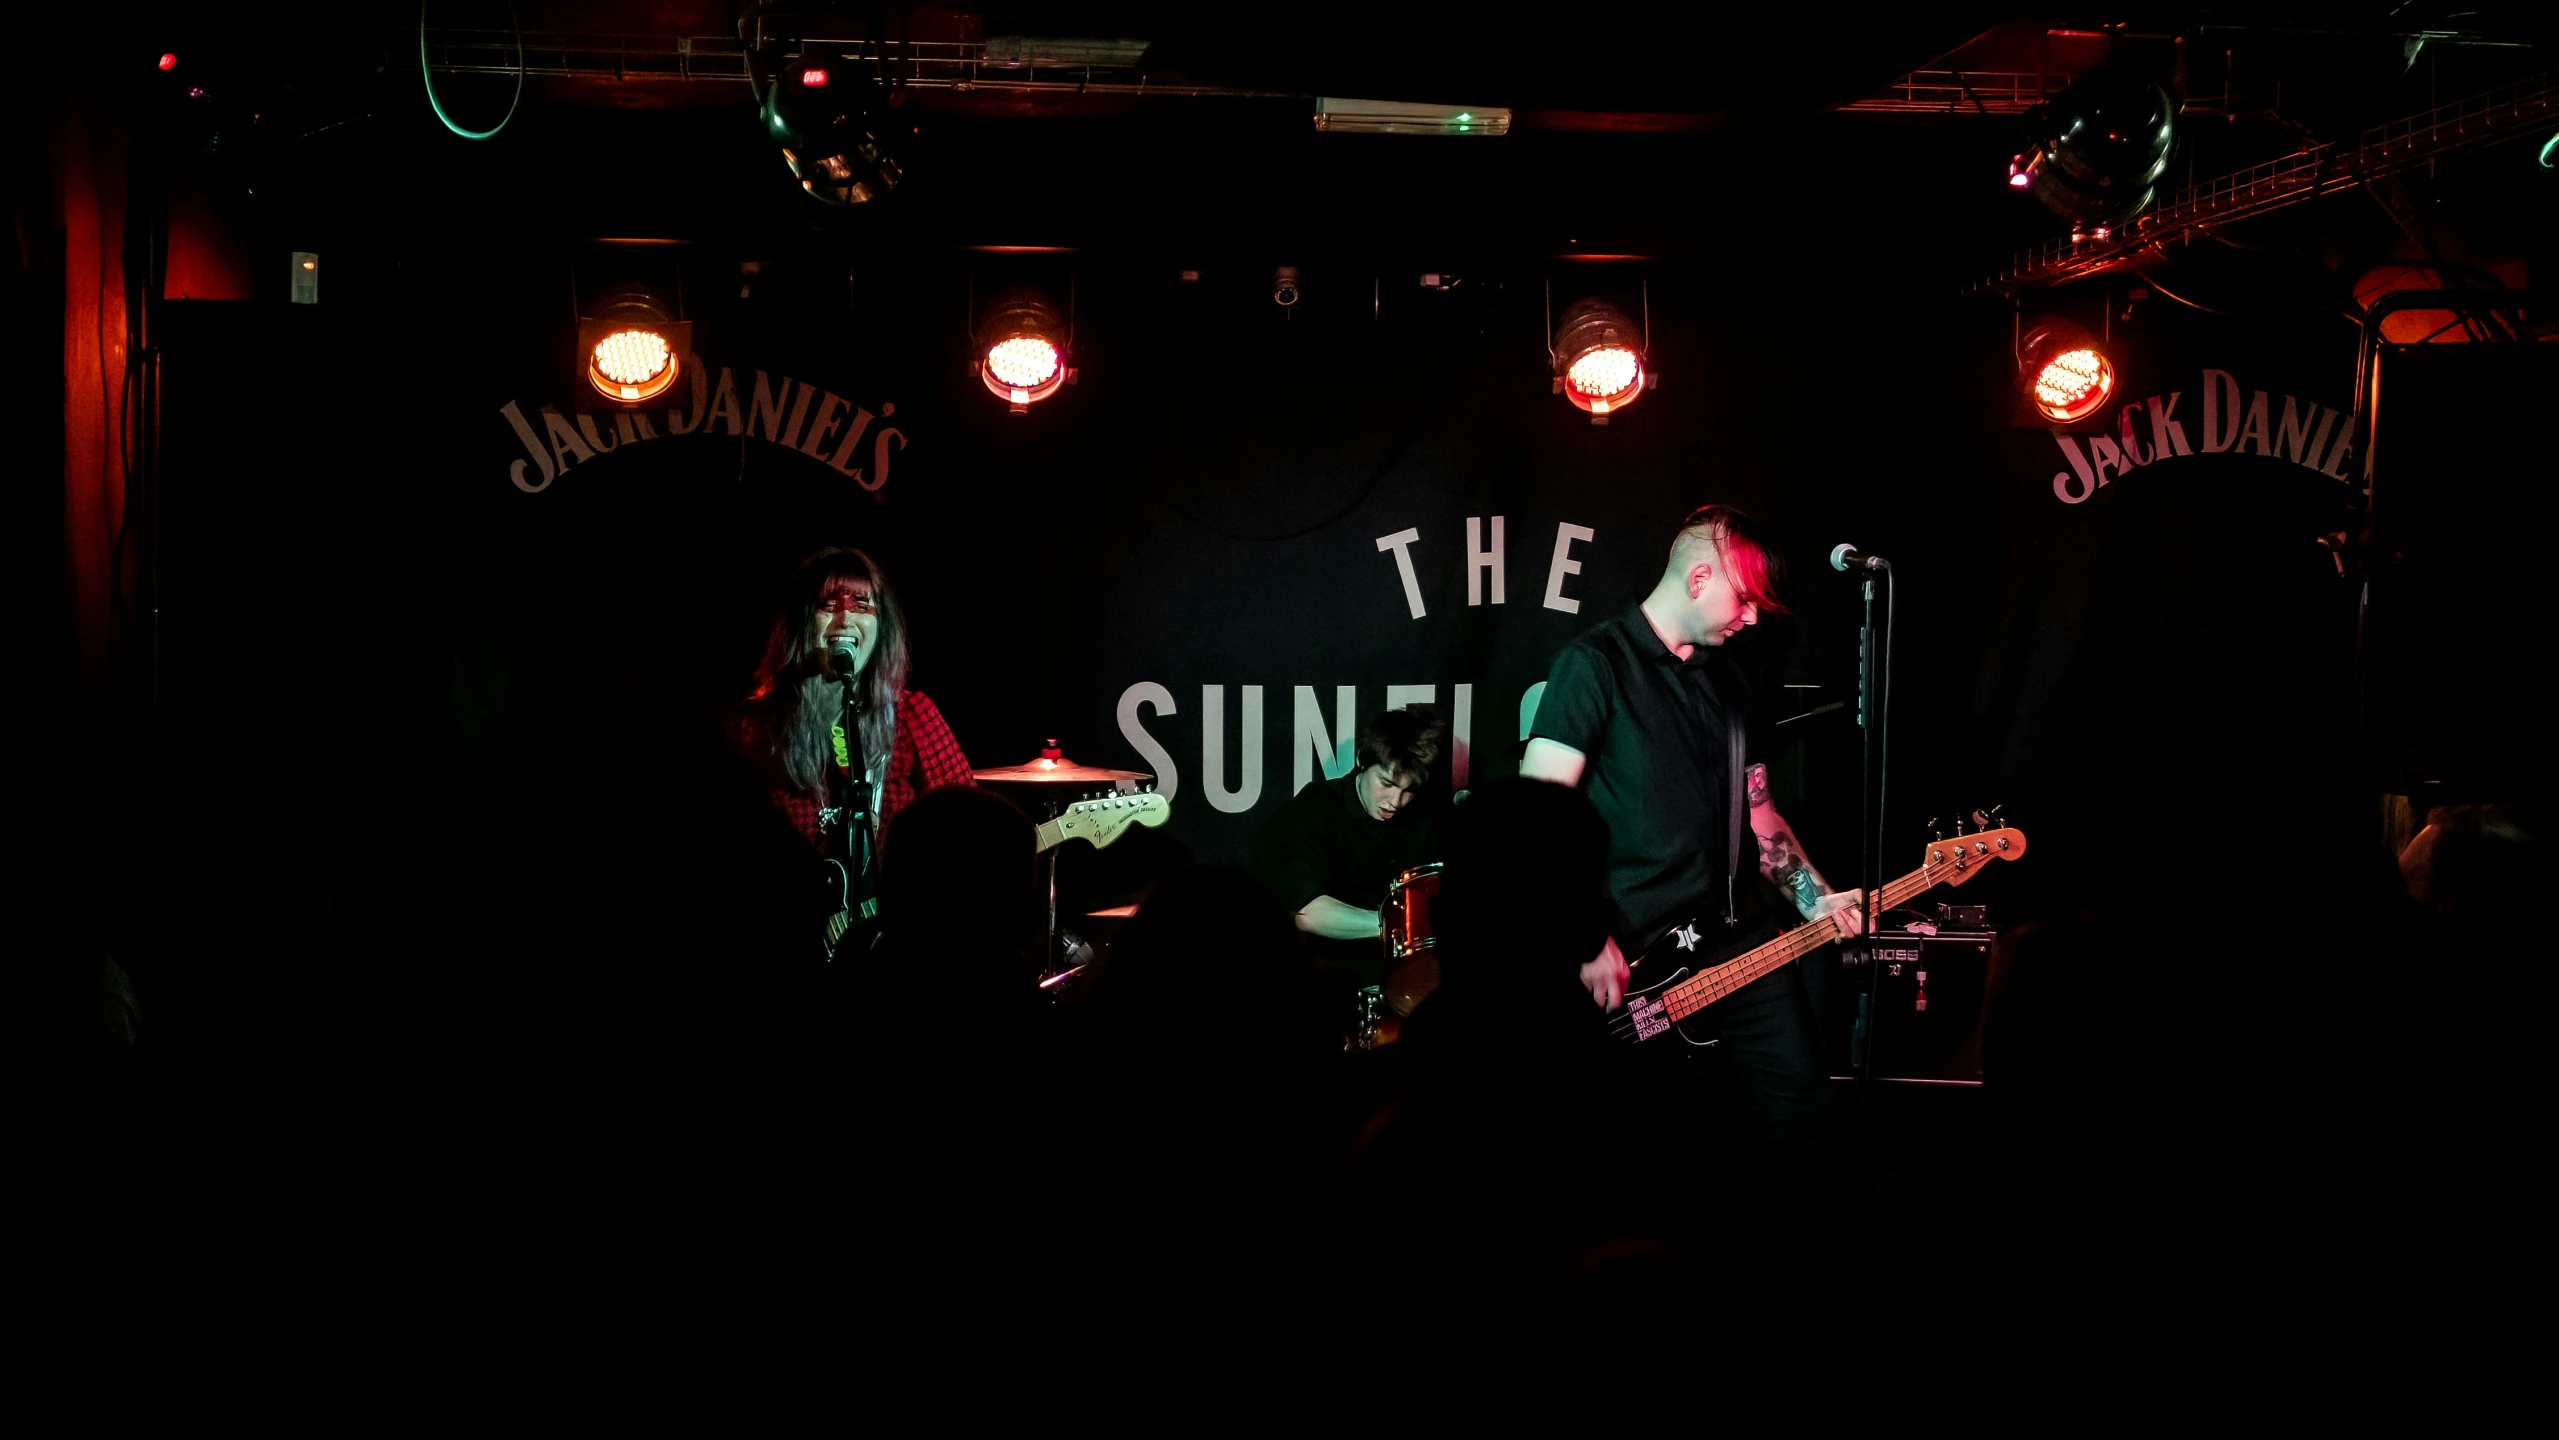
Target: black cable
{"x": 2154, "y": 284}
{"x": 1883, "y": 742}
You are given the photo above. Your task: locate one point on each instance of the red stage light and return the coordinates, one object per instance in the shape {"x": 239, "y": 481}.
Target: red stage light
{"x": 813, "y": 77}
{"x": 2073, "y": 384}
{"x": 169, "y": 61}
{"x": 1023, "y": 362}
{"x": 1599, "y": 358}
{"x": 632, "y": 365}
{"x": 2064, "y": 371}
{"x": 2019, "y": 179}
{"x": 1605, "y": 373}
{"x": 1022, "y": 345}
{"x": 2071, "y": 381}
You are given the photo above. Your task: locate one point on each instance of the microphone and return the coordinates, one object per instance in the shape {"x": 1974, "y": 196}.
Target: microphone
{"x": 842, "y": 660}
{"x": 1849, "y": 557}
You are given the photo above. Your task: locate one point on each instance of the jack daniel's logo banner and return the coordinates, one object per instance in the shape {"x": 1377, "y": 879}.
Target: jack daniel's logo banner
{"x": 2227, "y": 420}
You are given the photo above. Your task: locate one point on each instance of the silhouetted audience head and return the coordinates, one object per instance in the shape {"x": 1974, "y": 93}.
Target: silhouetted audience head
{"x": 959, "y": 884}
{"x": 1523, "y": 887}
{"x": 2474, "y": 862}
{"x": 1211, "y": 957}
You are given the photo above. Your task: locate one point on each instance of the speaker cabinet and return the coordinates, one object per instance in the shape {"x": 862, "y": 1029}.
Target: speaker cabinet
{"x": 1924, "y": 1019}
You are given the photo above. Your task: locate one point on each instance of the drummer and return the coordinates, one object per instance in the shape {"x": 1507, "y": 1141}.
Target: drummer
{"x": 1334, "y": 848}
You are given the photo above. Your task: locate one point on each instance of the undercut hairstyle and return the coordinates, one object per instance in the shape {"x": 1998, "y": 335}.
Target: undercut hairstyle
{"x": 792, "y": 710}
{"x": 1409, "y": 739}
{"x": 1737, "y": 542}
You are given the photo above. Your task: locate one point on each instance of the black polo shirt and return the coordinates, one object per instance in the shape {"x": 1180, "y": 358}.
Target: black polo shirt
{"x": 1654, "y": 732}
{"x": 1324, "y": 842}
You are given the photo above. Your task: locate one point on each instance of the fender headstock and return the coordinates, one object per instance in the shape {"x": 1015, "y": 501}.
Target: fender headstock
{"x": 1952, "y": 862}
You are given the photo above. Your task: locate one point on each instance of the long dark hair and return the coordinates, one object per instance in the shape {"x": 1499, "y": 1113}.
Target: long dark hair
{"x": 792, "y": 709}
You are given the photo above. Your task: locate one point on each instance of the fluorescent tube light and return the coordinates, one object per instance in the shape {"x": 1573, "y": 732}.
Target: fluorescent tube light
{"x": 1402, "y": 117}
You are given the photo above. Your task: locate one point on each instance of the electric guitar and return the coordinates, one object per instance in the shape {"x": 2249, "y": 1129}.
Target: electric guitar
{"x": 1659, "y": 1007}
{"x": 1097, "y": 822}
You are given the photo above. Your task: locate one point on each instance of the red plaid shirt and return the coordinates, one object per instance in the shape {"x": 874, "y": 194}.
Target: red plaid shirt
{"x": 923, "y": 755}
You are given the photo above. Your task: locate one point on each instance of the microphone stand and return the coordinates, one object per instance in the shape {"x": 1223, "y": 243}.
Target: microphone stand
{"x": 1872, "y": 698}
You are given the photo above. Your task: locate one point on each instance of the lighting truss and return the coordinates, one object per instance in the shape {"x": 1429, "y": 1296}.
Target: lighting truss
{"x": 2508, "y": 112}
{"x": 1979, "y": 92}
{"x": 1002, "y": 62}
{"x": 1988, "y": 92}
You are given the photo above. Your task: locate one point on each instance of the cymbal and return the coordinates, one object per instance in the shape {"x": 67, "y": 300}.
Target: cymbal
{"x": 1055, "y": 772}
{"x": 1053, "y": 768}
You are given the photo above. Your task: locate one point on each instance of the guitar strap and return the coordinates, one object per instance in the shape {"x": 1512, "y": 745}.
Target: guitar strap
{"x": 1737, "y": 744}
{"x": 848, "y": 839}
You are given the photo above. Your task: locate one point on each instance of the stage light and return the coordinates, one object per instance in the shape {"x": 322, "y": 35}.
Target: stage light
{"x": 2101, "y": 145}
{"x": 2020, "y": 174}
{"x": 1022, "y": 363}
{"x": 631, "y": 350}
{"x": 169, "y": 61}
{"x": 1599, "y": 359}
{"x": 1023, "y": 347}
{"x": 836, "y": 138}
{"x": 2064, "y": 372}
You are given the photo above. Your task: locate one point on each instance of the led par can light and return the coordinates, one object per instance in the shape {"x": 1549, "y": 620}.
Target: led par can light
{"x": 1600, "y": 363}
{"x": 2063, "y": 372}
{"x": 630, "y": 350}
{"x": 1022, "y": 349}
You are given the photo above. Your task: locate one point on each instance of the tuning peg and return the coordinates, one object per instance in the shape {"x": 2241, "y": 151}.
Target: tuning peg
{"x": 1992, "y": 815}
{"x": 1935, "y": 830}
{"x": 1981, "y": 820}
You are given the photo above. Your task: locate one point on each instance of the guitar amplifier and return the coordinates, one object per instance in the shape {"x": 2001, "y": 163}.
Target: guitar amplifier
{"x": 1924, "y": 1022}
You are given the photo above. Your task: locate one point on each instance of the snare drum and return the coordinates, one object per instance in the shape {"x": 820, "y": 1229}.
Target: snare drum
{"x": 1412, "y": 967}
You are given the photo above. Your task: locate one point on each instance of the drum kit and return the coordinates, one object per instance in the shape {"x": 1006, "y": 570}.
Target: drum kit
{"x": 1052, "y": 782}
{"x": 1049, "y": 784}
{"x": 1411, "y": 949}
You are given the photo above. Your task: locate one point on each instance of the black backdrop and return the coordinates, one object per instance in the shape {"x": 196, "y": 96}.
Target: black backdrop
{"x": 360, "y": 597}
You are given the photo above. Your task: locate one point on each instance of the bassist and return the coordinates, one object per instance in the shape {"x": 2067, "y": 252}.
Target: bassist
{"x": 1649, "y": 715}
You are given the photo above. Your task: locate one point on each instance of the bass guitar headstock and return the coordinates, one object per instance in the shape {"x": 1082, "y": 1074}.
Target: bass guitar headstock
{"x": 1952, "y": 862}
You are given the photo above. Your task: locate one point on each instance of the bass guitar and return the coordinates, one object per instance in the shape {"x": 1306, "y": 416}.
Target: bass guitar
{"x": 1096, "y": 822}
{"x": 1658, "y": 1008}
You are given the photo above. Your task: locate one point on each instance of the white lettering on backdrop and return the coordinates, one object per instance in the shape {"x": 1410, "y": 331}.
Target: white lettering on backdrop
{"x": 1310, "y": 742}
{"x": 1486, "y": 557}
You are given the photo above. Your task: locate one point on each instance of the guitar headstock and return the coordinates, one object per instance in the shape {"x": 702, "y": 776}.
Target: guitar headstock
{"x": 1099, "y": 822}
{"x": 1952, "y": 862}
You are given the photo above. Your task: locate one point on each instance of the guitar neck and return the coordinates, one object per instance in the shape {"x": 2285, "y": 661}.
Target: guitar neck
{"x": 1689, "y": 997}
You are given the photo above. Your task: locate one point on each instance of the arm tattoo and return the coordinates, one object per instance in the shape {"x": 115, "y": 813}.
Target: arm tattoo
{"x": 1778, "y": 860}
{"x": 1756, "y": 777}
{"x": 1787, "y": 869}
